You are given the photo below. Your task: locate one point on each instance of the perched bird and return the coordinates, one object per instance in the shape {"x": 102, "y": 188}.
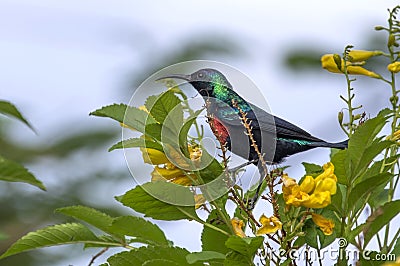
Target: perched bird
{"x": 275, "y": 137}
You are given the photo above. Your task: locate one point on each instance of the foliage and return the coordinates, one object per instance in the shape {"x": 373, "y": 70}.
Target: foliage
{"x": 327, "y": 205}
{"x": 9, "y": 170}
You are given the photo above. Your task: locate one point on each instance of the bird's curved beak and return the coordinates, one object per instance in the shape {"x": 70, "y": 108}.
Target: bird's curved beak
{"x": 175, "y": 76}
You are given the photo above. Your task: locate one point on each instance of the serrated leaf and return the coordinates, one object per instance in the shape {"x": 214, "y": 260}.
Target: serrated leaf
{"x": 362, "y": 189}
{"x": 8, "y": 109}
{"x": 312, "y": 169}
{"x": 130, "y": 116}
{"x": 144, "y": 231}
{"x": 369, "y": 154}
{"x": 150, "y": 101}
{"x": 211, "y": 240}
{"x": 61, "y": 234}
{"x": 358, "y": 152}
{"x": 379, "y": 218}
{"x": 158, "y": 262}
{"x": 11, "y": 171}
{"x": 139, "y": 200}
{"x": 146, "y": 254}
{"x": 206, "y": 256}
{"x": 163, "y": 106}
{"x": 91, "y": 216}
{"x": 246, "y": 246}
{"x": 136, "y": 143}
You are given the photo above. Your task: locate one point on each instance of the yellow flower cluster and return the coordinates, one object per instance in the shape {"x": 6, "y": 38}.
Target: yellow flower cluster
{"x": 357, "y": 57}
{"x": 312, "y": 192}
{"x": 167, "y": 171}
{"x": 269, "y": 225}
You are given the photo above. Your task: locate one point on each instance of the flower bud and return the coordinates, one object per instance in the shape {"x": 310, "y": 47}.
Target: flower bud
{"x": 362, "y": 55}
{"x": 379, "y": 28}
{"x": 394, "y": 67}
{"x": 338, "y": 61}
{"x": 340, "y": 117}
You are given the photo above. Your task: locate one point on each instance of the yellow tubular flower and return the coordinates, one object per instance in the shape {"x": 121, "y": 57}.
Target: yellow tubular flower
{"x": 153, "y": 156}
{"x": 362, "y": 55}
{"x": 394, "y": 67}
{"x": 326, "y": 225}
{"x": 312, "y": 192}
{"x": 174, "y": 175}
{"x": 237, "y": 225}
{"x": 269, "y": 225}
{"x": 308, "y": 184}
{"x": 329, "y": 64}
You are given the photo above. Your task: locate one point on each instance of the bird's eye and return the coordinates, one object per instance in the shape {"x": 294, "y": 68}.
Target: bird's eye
{"x": 200, "y": 75}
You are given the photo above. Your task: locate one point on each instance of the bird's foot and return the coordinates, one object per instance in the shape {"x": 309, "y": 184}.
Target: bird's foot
{"x": 234, "y": 170}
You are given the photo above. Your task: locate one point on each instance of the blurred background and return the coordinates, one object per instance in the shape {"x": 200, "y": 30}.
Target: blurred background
{"x": 60, "y": 60}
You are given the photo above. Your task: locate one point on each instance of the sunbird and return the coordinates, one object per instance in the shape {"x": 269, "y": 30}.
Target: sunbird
{"x": 274, "y": 137}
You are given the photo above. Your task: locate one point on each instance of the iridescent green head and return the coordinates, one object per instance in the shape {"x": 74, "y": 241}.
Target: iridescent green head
{"x": 211, "y": 83}
{"x": 207, "y": 81}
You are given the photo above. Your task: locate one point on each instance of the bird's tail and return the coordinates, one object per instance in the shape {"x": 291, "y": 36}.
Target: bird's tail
{"x": 338, "y": 145}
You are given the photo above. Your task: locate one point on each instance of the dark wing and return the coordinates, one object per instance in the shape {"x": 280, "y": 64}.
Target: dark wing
{"x": 271, "y": 124}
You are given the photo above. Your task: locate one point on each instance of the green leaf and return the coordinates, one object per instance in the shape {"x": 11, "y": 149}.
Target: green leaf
{"x": 136, "y": 143}
{"x": 211, "y": 240}
{"x": 8, "y": 109}
{"x": 91, "y": 216}
{"x": 150, "y": 101}
{"x": 104, "y": 241}
{"x": 369, "y": 154}
{"x": 234, "y": 258}
{"x": 164, "y": 105}
{"x": 184, "y": 130}
{"x": 61, "y": 234}
{"x": 139, "y": 200}
{"x": 144, "y": 231}
{"x": 246, "y": 246}
{"x": 158, "y": 262}
{"x": 359, "y": 152}
{"x": 14, "y": 172}
{"x": 381, "y": 166}
{"x": 130, "y": 116}
{"x": 379, "y": 197}
{"x": 312, "y": 169}
{"x": 337, "y": 200}
{"x": 361, "y": 190}
{"x": 147, "y": 254}
{"x": 379, "y": 218}
{"x": 339, "y": 161}
{"x": 205, "y": 256}
{"x": 311, "y": 233}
